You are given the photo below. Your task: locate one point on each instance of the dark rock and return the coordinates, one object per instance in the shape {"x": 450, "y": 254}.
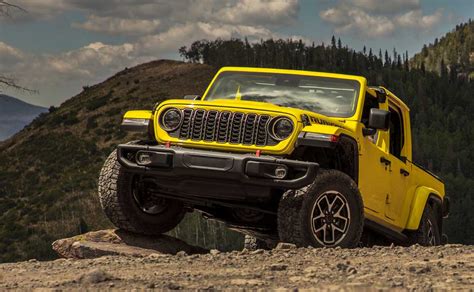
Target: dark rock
{"x": 94, "y": 276}
{"x": 342, "y": 267}
{"x": 173, "y": 286}
{"x": 423, "y": 270}
{"x": 278, "y": 267}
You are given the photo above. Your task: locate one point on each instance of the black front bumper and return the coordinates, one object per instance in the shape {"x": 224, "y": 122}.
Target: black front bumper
{"x": 183, "y": 163}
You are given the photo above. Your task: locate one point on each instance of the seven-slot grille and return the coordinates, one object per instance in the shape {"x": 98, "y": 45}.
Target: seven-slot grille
{"x": 224, "y": 127}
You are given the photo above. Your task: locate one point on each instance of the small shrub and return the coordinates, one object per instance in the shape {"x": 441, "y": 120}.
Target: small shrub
{"x": 70, "y": 120}
{"x": 99, "y": 132}
{"x": 99, "y": 102}
{"x": 132, "y": 90}
{"x": 91, "y": 123}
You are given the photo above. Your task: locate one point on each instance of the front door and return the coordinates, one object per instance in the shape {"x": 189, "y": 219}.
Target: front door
{"x": 400, "y": 167}
{"x": 373, "y": 172}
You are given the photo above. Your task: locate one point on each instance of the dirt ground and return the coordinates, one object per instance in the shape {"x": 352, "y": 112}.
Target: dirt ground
{"x": 420, "y": 268}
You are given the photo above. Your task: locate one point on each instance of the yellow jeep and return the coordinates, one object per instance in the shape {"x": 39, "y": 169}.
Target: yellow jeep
{"x": 310, "y": 158}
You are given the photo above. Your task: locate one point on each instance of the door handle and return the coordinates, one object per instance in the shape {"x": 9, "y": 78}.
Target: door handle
{"x": 404, "y": 172}
{"x": 385, "y": 161}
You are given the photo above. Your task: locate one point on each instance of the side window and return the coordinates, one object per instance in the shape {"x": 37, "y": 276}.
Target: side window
{"x": 370, "y": 102}
{"x": 396, "y": 132}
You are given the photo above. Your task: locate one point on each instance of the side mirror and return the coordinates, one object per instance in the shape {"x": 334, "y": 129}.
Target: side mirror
{"x": 192, "y": 97}
{"x": 379, "y": 119}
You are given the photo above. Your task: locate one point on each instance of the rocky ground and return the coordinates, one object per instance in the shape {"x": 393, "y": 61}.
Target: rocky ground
{"x": 420, "y": 268}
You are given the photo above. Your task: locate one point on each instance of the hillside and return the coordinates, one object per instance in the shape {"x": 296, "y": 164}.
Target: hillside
{"x": 15, "y": 114}
{"x": 48, "y": 171}
{"x": 454, "y": 53}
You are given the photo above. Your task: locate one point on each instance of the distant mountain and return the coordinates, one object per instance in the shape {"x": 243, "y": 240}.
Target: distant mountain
{"x": 15, "y": 115}
{"x": 454, "y": 52}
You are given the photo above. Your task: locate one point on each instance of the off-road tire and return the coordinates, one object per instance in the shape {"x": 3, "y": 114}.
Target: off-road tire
{"x": 120, "y": 207}
{"x": 288, "y": 215}
{"x": 301, "y": 211}
{"x": 422, "y": 235}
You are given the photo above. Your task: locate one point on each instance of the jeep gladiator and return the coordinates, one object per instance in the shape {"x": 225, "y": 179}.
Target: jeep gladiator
{"x": 310, "y": 158}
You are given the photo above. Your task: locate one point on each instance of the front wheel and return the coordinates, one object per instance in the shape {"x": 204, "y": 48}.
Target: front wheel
{"x": 328, "y": 213}
{"x": 128, "y": 206}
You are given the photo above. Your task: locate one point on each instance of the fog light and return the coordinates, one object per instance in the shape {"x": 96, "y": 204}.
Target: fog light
{"x": 280, "y": 172}
{"x": 143, "y": 158}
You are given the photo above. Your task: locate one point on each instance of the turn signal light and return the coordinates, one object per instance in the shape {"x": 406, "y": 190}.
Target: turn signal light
{"x": 322, "y": 137}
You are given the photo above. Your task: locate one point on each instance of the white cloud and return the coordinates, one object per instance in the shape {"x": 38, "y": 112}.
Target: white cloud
{"x": 153, "y": 28}
{"x": 87, "y": 61}
{"x": 128, "y": 16}
{"x": 176, "y": 13}
{"x": 416, "y": 19}
{"x": 38, "y": 9}
{"x": 182, "y": 34}
{"x": 113, "y": 25}
{"x": 390, "y": 6}
{"x": 373, "y": 18}
{"x": 58, "y": 77}
{"x": 259, "y": 12}
{"x": 356, "y": 20}
{"x": 9, "y": 55}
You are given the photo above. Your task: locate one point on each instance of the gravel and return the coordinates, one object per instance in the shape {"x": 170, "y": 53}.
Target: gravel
{"x": 377, "y": 268}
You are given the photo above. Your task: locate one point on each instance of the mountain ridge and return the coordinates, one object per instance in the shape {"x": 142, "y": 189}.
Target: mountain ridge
{"x": 453, "y": 53}
{"x": 16, "y": 114}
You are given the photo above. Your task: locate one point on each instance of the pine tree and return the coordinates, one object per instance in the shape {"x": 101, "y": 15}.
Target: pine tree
{"x": 388, "y": 62}
{"x": 380, "y": 54}
{"x": 443, "y": 69}
{"x": 406, "y": 61}
{"x": 333, "y": 42}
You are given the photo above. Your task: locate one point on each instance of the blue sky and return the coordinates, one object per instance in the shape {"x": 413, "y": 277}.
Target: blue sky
{"x": 61, "y": 45}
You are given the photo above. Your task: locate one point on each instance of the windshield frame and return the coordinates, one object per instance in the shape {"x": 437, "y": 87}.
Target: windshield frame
{"x": 358, "y": 85}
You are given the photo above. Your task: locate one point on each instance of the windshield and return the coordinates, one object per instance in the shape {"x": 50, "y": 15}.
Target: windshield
{"x": 328, "y": 96}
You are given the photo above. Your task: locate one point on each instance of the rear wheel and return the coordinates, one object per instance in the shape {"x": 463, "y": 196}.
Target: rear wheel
{"x": 428, "y": 232}
{"x": 128, "y": 205}
{"x": 327, "y": 213}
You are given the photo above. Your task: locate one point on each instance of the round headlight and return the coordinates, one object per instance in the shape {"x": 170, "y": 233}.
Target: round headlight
{"x": 171, "y": 119}
{"x": 281, "y": 128}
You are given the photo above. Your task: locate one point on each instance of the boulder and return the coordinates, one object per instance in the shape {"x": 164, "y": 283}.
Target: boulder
{"x": 119, "y": 242}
